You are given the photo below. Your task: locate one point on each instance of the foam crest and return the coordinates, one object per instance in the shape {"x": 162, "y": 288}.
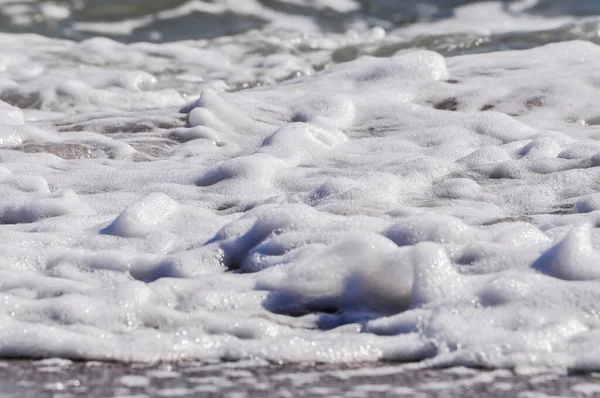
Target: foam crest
{"x": 573, "y": 258}
{"x": 432, "y": 228}
{"x": 144, "y": 216}
{"x": 435, "y": 277}
{"x": 366, "y": 274}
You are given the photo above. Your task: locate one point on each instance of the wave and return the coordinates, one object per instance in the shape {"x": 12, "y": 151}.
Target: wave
{"x": 169, "y": 20}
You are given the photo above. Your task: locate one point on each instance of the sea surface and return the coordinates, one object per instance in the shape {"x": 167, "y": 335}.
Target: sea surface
{"x": 298, "y": 181}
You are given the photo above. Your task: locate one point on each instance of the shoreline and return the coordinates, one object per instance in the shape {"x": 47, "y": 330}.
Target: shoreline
{"x": 57, "y": 377}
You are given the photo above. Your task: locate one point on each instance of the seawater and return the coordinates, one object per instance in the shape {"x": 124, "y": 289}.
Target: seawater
{"x": 330, "y": 181}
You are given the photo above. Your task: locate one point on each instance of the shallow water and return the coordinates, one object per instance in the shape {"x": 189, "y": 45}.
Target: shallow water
{"x": 51, "y": 377}
{"x": 337, "y": 182}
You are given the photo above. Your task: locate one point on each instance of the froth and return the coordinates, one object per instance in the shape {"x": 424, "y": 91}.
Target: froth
{"x": 383, "y": 208}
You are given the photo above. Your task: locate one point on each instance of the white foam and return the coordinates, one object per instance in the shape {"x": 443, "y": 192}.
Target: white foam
{"x": 413, "y": 207}
{"x": 140, "y": 218}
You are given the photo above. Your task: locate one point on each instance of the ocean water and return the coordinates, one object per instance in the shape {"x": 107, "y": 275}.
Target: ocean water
{"x": 301, "y": 180}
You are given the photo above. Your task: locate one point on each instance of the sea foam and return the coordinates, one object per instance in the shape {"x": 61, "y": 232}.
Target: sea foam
{"x": 411, "y": 207}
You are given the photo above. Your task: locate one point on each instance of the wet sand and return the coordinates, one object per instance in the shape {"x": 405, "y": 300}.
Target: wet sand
{"x": 59, "y": 378}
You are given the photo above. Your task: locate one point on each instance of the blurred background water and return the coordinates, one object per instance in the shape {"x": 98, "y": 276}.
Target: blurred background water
{"x": 170, "y": 20}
